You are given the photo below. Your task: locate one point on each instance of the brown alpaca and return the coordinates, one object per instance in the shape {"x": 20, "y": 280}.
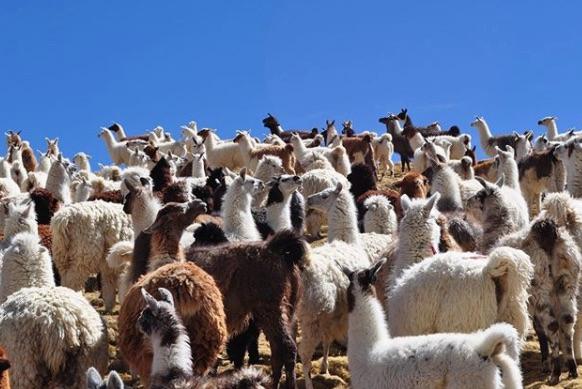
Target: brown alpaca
{"x": 357, "y": 147}
{"x": 260, "y": 280}
{"x": 198, "y": 301}
{"x": 255, "y": 154}
{"x": 45, "y": 205}
{"x": 486, "y": 169}
{"x": 111, "y": 196}
{"x": 414, "y": 185}
{"x": 28, "y": 158}
{"x": 13, "y": 138}
{"x": 4, "y": 366}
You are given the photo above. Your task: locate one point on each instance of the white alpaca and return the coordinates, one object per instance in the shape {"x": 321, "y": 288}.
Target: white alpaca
{"x": 33, "y": 181}
{"x": 552, "y": 130}
{"x": 198, "y": 168}
{"x": 339, "y": 207}
{"x": 118, "y": 151}
{"x": 335, "y": 154}
{"x": 316, "y": 161}
{"x": 461, "y": 292}
{"x": 8, "y": 188}
{"x": 459, "y": 144}
{"x": 521, "y": 143}
{"x": 383, "y": 151}
{"x": 18, "y": 173}
{"x": 278, "y": 207}
{"x": 485, "y": 359}
{"x": 20, "y": 218}
{"x": 484, "y": 135}
{"x": 53, "y": 336}
{"x": 380, "y": 216}
{"x": 81, "y": 190}
{"x": 109, "y": 172}
{"x": 26, "y": 263}
{"x": 323, "y": 308}
{"x": 236, "y": 208}
{"x": 224, "y": 154}
{"x": 269, "y": 166}
{"x": 82, "y": 161}
{"x": 58, "y": 181}
{"x": 427, "y": 151}
{"x": 508, "y": 168}
{"x": 44, "y": 163}
{"x": 82, "y": 235}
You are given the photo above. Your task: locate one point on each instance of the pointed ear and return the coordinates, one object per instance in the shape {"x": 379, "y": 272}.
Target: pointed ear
{"x": 166, "y": 295}
{"x": 405, "y": 202}
{"x": 144, "y": 181}
{"x": 114, "y": 381}
{"x": 243, "y": 173}
{"x": 500, "y": 181}
{"x": 430, "y": 204}
{"x": 338, "y": 188}
{"x": 347, "y": 272}
{"x": 474, "y": 148}
{"x": 372, "y": 273}
{"x": 515, "y": 134}
{"x": 481, "y": 181}
{"x": 150, "y": 300}
{"x": 498, "y": 150}
{"x": 94, "y": 379}
{"x": 509, "y": 150}
{"x": 130, "y": 185}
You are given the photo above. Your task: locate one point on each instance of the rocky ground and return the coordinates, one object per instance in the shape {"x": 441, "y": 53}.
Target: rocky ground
{"x": 339, "y": 376}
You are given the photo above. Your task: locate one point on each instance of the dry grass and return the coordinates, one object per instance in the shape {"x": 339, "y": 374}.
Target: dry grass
{"x": 339, "y": 376}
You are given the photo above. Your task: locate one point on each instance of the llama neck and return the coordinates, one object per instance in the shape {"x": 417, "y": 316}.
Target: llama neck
{"x": 300, "y": 148}
{"x": 484, "y": 133}
{"x": 245, "y": 145}
{"x": 238, "y": 219}
{"x": 85, "y": 165}
{"x": 209, "y": 142}
{"x": 165, "y": 250}
{"x": 552, "y": 129}
{"x": 13, "y": 227}
{"x": 120, "y": 134}
{"x": 198, "y": 169}
{"x": 342, "y": 223}
{"x": 144, "y": 215}
{"x": 279, "y": 214}
{"x": 109, "y": 141}
{"x": 58, "y": 184}
{"x": 413, "y": 248}
{"x": 367, "y": 327}
{"x": 416, "y": 141}
{"x": 331, "y": 132}
{"x": 172, "y": 360}
{"x": 510, "y": 171}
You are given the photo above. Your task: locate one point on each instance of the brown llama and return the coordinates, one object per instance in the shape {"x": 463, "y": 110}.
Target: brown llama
{"x": 400, "y": 142}
{"x": 119, "y": 132}
{"x": 274, "y": 126}
{"x": 260, "y": 280}
{"x": 28, "y": 158}
{"x": 486, "y": 169}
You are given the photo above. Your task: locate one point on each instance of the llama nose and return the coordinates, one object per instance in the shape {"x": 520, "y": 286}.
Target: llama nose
{"x": 296, "y": 178}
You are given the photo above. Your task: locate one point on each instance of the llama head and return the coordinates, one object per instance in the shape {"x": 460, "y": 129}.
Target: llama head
{"x": 115, "y": 127}
{"x": 137, "y": 195}
{"x": 20, "y": 218}
{"x": 378, "y": 202}
{"x": 173, "y": 218}
{"x": 95, "y": 381}
{"x": 434, "y": 126}
{"x": 296, "y": 140}
{"x": 13, "y": 138}
{"x": 329, "y": 124}
{"x": 488, "y": 198}
{"x": 362, "y": 283}
{"x": 325, "y": 200}
{"x": 541, "y": 143}
{"x": 283, "y": 185}
{"x": 414, "y": 185}
{"x": 506, "y": 155}
{"x": 419, "y": 222}
{"x": 249, "y": 185}
{"x": 388, "y": 118}
{"x": 479, "y": 121}
{"x": 158, "y": 316}
{"x": 566, "y": 150}
{"x": 403, "y": 114}
{"x": 522, "y": 144}
{"x": 545, "y": 121}
{"x": 270, "y": 121}
{"x": 52, "y": 145}
{"x": 80, "y": 158}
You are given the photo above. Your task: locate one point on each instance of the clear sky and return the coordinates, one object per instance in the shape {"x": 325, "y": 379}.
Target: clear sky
{"x": 69, "y": 67}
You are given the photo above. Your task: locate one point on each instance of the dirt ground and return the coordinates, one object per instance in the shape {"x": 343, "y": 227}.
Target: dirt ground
{"x": 339, "y": 376}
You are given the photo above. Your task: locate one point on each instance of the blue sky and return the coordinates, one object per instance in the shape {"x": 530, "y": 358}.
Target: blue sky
{"x": 69, "y": 67}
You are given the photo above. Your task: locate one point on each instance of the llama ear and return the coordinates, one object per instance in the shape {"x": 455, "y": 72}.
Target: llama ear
{"x": 500, "y": 181}
{"x": 114, "y": 381}
{"x": 481, "y": 181}
{"x": 150, "y": 300}
{"x": 94, "y": 379}
{"x": 405, "y": 202}
{"x": 144, "y": 181}
{"x": 372, "y": 273}
{"x": 430, "y": 204}
{"x": 338, "y": 188}
{"x": 243, "y": 173}
{"x": 166, "y": 295}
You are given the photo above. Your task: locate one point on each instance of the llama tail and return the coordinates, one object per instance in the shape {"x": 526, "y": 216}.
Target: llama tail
{"x": 291, "y": 247}
{"x": 498, "y": 342}
{"x": 511, "y": 270}
{"x": 119, "y": 254}
{"x": 250, "y": 377}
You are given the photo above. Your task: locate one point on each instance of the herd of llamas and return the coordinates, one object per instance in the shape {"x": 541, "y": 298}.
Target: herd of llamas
{"x": 202, "y": 245}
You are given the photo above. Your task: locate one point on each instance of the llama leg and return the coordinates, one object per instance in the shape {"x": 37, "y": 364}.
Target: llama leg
{"x": 324, "y": 362}
{"x": 567, "y": 319}
{"x": 253, "y": 344}
{"x": 235, "y": 349}
{"x": 578, "y": 339}
{"x": 543, "y": 340}
{"x": 306, "y": 350}
{"x": 551, "y": 328}
{"x": 108, "y": 285}
{"x": 391, "y": 165}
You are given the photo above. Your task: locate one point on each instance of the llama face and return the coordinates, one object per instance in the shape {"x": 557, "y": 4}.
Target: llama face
{"x": 137, "y": 195}
{"x": 270, "y": 121}
{"x": 546, "y": 120}
{"x": 324, "y": 200}
{"x": 249, "y": 185}
{"x": 420, "y": 220}
{"x": 288, "y": 183}
{"x": 477, "y": 122}
{"x": 488, "y": 198}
